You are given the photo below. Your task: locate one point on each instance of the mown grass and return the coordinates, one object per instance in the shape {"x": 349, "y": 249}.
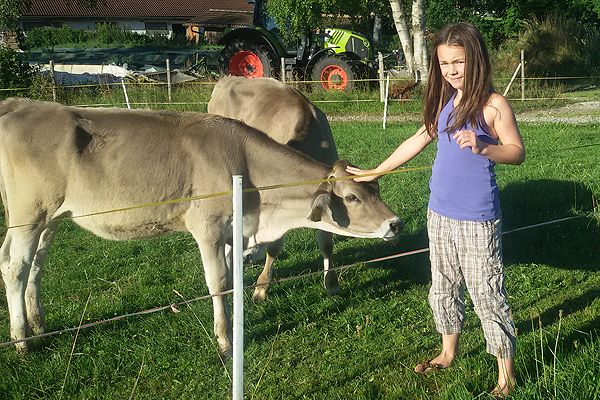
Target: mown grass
{"x": 361, "y": 344}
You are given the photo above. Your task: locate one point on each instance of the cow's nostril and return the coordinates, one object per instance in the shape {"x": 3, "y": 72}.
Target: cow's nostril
{"x": 397, "y": 226}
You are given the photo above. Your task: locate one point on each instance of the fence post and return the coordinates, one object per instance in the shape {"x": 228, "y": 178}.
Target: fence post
{"x": 381, "y": 77}
{"x": 125, "y": 93}
{"x": 512, "y": 79}
{"x": 522, "y": 75}
{"x": 53, "y": 80}
{"x": 169, "y": 79}
{"x": 385, "y": 104}
{"x": 282, "y": 69}
{"x": 238, "y": 292}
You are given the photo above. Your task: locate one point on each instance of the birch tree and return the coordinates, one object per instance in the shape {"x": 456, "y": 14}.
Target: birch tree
{"x": 414, "y": 44}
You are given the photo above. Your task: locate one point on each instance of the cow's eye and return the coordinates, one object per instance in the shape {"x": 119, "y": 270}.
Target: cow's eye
{"x": 351, "y": 198}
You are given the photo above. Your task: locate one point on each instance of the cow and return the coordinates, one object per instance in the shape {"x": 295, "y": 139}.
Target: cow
{"x": 58, "y": 162}
{"x": 288, "y": 117}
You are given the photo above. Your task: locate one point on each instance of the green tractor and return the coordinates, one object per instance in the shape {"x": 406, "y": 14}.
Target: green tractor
{"x": 335, "y": 58}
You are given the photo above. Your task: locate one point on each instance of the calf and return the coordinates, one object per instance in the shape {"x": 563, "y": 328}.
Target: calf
{"x": 58, "y": 161}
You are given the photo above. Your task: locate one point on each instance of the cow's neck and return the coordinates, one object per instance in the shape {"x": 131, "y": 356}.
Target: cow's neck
{"x": 286, "y": 207}
{"x": 270, "y": 163}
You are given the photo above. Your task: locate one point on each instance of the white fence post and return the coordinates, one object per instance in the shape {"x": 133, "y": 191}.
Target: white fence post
{"x": 282, "y": 69}
{"x": 238, "y": 292}
{"x": 512, "y": 79}
{"x": 385, "y": 105}
{"x": 169, "y": 78}
{"x": 522, "y": 75}
{"x": 53, "y": 80}
{"x": 381, "y": 77}
{"x": 125, "y": 93}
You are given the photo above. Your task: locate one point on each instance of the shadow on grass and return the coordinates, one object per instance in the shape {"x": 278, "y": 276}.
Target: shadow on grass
{"x": 570, "y": 245}
{"x": 573, "y": 244}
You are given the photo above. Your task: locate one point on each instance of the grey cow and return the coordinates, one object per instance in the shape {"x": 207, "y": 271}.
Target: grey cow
{"x": 58, "y": 161}
{"x": 289, "y": 118}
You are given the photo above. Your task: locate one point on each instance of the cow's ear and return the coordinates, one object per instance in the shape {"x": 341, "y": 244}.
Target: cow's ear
{"x": 321, "y": 201}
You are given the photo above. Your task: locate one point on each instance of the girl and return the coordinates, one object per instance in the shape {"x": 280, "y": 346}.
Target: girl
{"x": 475, "y": 128}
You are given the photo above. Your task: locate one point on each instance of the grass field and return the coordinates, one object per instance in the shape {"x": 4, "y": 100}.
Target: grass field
{"x": 361, "y": 344}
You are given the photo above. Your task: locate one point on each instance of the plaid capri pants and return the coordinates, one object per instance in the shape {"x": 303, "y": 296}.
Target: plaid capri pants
{"x": 470, "y": 253}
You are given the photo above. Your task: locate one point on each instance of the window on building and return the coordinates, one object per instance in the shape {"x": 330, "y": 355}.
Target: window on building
{"x": 156, "y": 28}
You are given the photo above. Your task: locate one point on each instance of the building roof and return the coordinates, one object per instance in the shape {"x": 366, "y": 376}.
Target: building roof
{"x": 171, "y": 9}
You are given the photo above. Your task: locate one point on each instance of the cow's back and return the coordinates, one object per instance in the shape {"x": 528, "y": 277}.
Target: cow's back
{"x": 79, "y": 161}
{"x": 278, "y": 110}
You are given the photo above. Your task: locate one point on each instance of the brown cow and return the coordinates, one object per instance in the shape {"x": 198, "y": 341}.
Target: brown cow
{"x": 58, "y": 161}
{"x": 289, "y": 118}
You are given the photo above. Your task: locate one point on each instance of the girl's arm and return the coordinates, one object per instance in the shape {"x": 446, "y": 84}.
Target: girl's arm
{"x": 500, "y": 118}
{"x": 404, "y": 153}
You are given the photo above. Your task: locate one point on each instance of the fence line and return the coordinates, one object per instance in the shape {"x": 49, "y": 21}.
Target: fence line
{"x": 220, "y": 194}
{"x": 174, "y": 307}
{"x": 132, "y": 82}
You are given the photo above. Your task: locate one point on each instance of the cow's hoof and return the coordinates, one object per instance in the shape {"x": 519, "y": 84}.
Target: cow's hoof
{"x": 333, "y": 291}
{"x": 254, "y": 255}
{"x": 226, "y": 354}
{"x": 260, "y": 294}
{"x": 22, "y": 348}
{"x": 331, "y": 283}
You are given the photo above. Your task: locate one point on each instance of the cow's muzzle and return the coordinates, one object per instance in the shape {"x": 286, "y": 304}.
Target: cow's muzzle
{"x": 395, "y": 227}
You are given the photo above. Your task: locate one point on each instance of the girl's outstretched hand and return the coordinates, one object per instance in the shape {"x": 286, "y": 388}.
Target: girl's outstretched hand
{"x": 358, "y": 171}
{"x": 466, "y": 138}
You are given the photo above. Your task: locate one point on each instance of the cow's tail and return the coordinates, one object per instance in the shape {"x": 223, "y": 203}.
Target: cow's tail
{"x": 6, "y": 107}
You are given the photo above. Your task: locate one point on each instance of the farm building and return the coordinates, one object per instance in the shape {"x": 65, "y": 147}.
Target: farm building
{"x": 166, "y": 17}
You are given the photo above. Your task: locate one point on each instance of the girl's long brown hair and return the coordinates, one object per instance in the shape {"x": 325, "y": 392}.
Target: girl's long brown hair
{"x": 477, "y": 80}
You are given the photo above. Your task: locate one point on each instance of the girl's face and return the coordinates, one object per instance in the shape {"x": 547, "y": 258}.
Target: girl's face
{"x": 452, "y": 64}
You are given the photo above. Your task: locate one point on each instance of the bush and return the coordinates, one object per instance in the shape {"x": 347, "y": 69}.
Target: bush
{"x": 15, "y": 71}
{"x": 554, "y": 47}
{"x": 105, "y": 35}
{"x": 47, "y": 37}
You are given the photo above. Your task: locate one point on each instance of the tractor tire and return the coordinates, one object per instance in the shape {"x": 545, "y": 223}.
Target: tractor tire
{"x": 244, "y": 58}
{"x": 334, "y": 73}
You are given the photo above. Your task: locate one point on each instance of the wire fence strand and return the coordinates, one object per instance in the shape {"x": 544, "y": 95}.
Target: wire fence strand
{"x": 174, "y": 307}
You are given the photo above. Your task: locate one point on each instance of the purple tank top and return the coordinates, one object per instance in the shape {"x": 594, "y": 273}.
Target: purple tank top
{"x": 463, "y": 185}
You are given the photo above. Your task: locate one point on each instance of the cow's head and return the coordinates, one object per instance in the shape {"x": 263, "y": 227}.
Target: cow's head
{"x": 353, "y": 208}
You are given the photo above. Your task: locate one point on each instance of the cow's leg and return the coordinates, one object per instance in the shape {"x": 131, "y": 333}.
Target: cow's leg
{"x": 273, "y": 250}
{"x": 325, "y": 240}
{"x": 33, "y": 301}
{"x": 16, "y": 256}
{"x": 211, "y": 242}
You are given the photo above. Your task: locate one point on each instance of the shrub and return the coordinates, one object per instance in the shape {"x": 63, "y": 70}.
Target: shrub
{"x": 15, "y": 71}
{"x": 554, "y": 47}
{"x": 105, "y": 35}
{"x": 48, "y": 37}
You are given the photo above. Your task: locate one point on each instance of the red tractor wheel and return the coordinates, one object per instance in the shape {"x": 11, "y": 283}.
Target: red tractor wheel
{"x": 334, "y": 73}
{"x": 246, "y": 63}
{"x": 243, "y": 58}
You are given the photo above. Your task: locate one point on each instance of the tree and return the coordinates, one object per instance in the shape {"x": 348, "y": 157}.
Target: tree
{"x": 10, "y": 10}
{"x": 414, "y": 44}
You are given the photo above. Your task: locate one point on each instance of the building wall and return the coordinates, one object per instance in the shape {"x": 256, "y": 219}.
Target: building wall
{"x": 137, "y": 26}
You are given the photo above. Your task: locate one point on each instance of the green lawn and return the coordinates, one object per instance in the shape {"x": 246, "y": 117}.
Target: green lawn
{"x": 361, "y": 344}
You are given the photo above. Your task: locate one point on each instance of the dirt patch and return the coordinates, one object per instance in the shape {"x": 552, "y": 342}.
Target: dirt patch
{"x": 586, "y": 112}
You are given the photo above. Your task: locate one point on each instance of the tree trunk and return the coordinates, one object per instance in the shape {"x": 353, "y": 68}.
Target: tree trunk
{"x": 403, "y": 33}
{"x": 377, "y": 30}
{"x": 420, "y": 43}
{"x": 414, "y": 43}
